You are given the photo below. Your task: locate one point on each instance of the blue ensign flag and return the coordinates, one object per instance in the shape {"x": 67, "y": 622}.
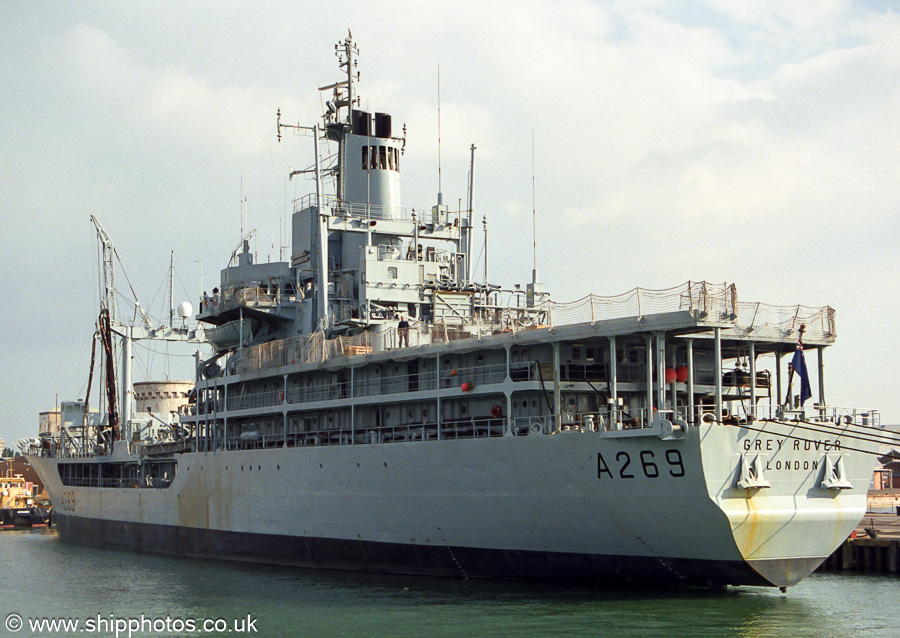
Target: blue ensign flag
{"x": 798, "y": 363}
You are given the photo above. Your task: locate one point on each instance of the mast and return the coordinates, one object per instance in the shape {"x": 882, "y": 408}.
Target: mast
{"x": 323, "y": 235}
{"x": 467, "y": 226}
{"x": 322, "y": 218}
{"x": 347, "y": 53}
{"x": 127, "y": 333}
{"x": 534, "y": 275}
{"x": 171, "y": 288}
{"x": 350, "y": 63}
{"x": 484, "y": 221}
{"x": 440, "y": 191}
{"x": 534, "y": 292}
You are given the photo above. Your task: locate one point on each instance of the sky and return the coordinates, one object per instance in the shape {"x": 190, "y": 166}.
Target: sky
{"x": 755, "y": 143}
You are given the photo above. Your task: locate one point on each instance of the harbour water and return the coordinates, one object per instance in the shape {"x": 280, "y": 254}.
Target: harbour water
{"x": 48, "y": 578}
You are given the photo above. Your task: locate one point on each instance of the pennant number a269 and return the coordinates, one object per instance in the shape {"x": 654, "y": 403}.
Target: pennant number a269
{"x": 645, "y": 462}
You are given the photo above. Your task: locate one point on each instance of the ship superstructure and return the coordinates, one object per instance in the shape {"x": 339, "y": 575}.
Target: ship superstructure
{"x": 360, "y": 262}
{"x": 407, "y": 418}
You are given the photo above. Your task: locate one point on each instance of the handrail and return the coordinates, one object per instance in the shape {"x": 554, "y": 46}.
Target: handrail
{"x": 364, "y": 211}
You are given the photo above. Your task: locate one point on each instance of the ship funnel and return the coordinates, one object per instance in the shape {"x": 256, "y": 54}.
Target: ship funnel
{"x": 372, "y": 165}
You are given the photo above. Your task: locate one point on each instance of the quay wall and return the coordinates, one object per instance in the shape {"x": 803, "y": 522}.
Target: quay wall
{"x": 865, "y": 555}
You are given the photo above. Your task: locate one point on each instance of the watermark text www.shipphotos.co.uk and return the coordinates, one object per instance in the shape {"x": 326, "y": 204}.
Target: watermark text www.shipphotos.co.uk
{"x": 111, "y": 625}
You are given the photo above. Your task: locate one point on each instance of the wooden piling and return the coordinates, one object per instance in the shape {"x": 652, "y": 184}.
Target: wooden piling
{"x": 866, "y": 556}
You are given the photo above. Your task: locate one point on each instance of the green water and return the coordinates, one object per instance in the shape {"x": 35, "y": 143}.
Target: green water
{"x": 45, "y": 577}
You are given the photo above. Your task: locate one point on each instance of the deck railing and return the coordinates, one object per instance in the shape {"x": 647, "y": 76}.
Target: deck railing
{"x": 327, "y": 390}
{"x": 364, "y": 211}
{"x": 808, "y": 413}
{"x": 152, "y": 483}
{"x": 430, "y": 431}
{"x": 599, "y": 421}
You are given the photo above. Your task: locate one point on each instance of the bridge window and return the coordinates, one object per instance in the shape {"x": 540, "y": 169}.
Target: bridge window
{"x": 380, "y": 157}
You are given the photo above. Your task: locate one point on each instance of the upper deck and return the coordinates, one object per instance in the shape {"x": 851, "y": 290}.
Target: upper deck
{"x": 694, "y": 308}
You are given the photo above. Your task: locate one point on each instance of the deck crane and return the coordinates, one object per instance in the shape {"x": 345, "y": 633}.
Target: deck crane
{"x": 111, "y": 325}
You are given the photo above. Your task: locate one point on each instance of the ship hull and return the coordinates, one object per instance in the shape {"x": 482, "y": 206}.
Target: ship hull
{"x": 411, "y": 559}
{"x": 601, "y": 508}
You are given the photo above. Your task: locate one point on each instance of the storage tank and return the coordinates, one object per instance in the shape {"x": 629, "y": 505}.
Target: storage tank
{"x": 161, "y": 397}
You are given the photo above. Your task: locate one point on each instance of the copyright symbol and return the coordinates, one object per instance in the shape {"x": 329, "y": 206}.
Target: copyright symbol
{"x": 14, "y": 622}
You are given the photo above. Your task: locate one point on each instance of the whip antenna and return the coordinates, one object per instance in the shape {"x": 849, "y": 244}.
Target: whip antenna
{"x": 440, "y": 190}
{"x": 534, "y": 276}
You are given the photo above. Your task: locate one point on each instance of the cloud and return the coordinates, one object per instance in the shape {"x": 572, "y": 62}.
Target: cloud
{"x": 814, "y": 139}
{"x": 781, "y": 16}
{"x": 196, "y": 110}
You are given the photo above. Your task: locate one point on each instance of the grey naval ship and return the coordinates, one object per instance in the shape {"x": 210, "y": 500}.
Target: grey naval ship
{"x": 368, "y": 405}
